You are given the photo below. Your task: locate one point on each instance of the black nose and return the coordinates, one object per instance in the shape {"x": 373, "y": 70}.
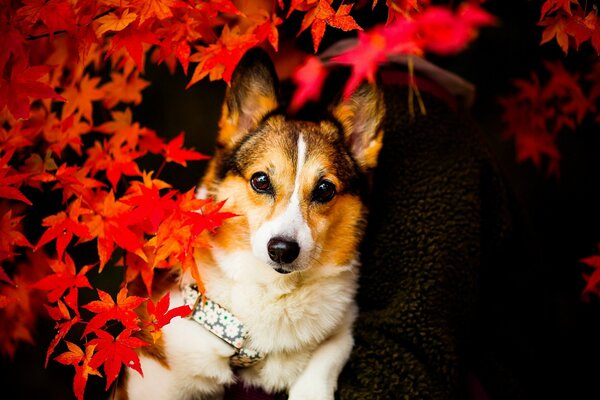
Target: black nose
{"x": 282, "y": 251}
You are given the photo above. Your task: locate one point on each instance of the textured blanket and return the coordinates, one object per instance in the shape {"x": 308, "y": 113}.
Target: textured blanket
{"x": 438, "y": 218}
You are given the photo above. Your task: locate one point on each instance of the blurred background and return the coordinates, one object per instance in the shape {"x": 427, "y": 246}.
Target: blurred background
{"x": 550, "y": 335}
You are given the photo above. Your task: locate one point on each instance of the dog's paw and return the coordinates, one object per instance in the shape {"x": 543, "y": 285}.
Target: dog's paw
{"x": 311, "y": 391}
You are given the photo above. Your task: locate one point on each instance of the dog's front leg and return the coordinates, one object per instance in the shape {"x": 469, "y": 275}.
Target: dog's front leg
{"x": 318, "y": 381}
{"x": 196, "y": 366}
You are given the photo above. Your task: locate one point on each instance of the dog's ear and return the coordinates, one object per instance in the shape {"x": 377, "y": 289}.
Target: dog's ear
{"x": 252, "y": 94}
{"x": 361, "y": 116}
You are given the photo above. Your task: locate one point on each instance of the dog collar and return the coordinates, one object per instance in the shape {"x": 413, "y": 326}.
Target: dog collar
{"x": 222, "y": 323}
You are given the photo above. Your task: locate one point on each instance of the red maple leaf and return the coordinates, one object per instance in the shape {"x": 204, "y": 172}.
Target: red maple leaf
{"x": 65, "y": 277}
{"x": 371, "y": 50}
{"x": 150, "y": 207}
{"x": 110, "y": 224}
{"x": 114, "y": 158}
{"x": 22, "y": 86}
{"x": 160, "y": 315}
{"x": 60, "y": 313}
{"x": 132, "y": 38}
{"x": 159, "y": 9}
{"x": 74, "y": 181}
{"x": 63, "y": 226}
{"x": 10, "y": 236}
{"x": 592, "y": 279}
{"x": 174, "y": 152}
{"x": 551, "y": 6}
{"x": 112, "y": 352}
{"x": 106, "y": 309}
{"x": 445, "y": 32}
{"x": 80, "y": 96}
{"x": 144, "y": 267}
{"x": 8, "y": 180}
{"x": 57, "y": 15}
{"x": 218, "y": 60}
{"x": 309, "y": 78}
{"x": 555, "y": 28}
{"x": 322, "y": 15}
{"x": 82, "y": 363}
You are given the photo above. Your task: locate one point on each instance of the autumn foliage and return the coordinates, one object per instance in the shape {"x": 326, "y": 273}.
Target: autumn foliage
{"x": 70, "y": 73}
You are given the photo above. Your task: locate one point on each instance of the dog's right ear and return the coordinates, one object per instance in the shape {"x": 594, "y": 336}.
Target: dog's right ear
{"x": 252, "y": 95}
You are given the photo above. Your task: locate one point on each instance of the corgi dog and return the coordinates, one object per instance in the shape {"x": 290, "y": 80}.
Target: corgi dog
{"x": 285, "y": 269}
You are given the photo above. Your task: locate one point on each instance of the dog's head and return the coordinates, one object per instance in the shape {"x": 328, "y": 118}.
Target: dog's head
{"x": 297, "y": 186}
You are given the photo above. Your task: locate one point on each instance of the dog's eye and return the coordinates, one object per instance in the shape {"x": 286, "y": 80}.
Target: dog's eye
{"x": 324, "y": 191}
{"x": 261, "y": 183}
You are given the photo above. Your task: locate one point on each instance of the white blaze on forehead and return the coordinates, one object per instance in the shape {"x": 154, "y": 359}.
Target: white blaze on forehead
{"x": 301, "y": 159}
{"x": 290, "y": 224}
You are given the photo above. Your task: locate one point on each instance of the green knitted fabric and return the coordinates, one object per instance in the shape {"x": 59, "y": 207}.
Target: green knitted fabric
{"x": 437, "y": 213}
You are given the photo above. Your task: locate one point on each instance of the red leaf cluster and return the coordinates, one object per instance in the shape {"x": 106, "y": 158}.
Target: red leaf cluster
{"x": 568, "y": 22}
{"x": 435, "y": 29}
{"x": 539, "y": 112}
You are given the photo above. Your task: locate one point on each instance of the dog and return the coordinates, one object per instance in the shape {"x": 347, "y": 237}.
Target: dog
{"x": 285, "y": 269}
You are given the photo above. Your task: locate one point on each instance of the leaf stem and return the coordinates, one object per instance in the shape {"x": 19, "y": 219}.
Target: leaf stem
{"x": 160, "y": 169}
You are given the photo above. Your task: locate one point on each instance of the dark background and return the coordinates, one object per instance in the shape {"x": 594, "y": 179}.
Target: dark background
{"x": 550, "y": 335}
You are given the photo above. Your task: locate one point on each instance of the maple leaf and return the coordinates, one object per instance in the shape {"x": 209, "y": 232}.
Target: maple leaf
{"x": 65, "y": 277}
{"x": 115, "y": 159}
{"x": 149, "y": 205}
{"x": 57, "y": 15}
{"x": 322, "y": 15}
{"x": 112, "y": 352}
{"x": 159, "y": 9}
{"x": 208, "y": 217}
{"x": 10, "y": 236}
{"x": 60, "y": 134}
{"x": 23, "y": 85}
{"x": 160, "y": 315}
{"x": 110, "y": 224}
{"x": 39, "y": 169}
{"x": 74, "y": 181}
{"x": 143, "y": 266}
{"x": 551, "y": 6}
{"x": 106, "y": 309}
{"x": 114, "y": 22}
{"x": 309, "y": 78}
{"x": 371, "y": 50}
{"x": 8, "y": 181}
{"x": 80, "y": 96}
{"x": 132, "y": 39}
{"x": 123, "y": 88}
{"x": 593, "y": 279}
{"x": 266, "y": 28}
{"x": 218, "y": 60}
{"x": 174, "y": 152}
{"x": 11, "y": 44}
{"x": 82, "y": 363}
{"x": 62, "y": 329}
{"x": 555, "y": 28}
{"x": 125, "y": 131}
{"x": 63, "y": 226}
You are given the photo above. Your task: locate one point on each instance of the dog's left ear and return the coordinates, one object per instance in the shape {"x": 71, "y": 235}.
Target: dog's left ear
{"x": 252, "y": 95}
{"x": 361, "y": 117}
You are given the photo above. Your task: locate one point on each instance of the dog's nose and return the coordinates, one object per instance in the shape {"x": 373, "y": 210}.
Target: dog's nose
{"x": 282, "y": 251}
